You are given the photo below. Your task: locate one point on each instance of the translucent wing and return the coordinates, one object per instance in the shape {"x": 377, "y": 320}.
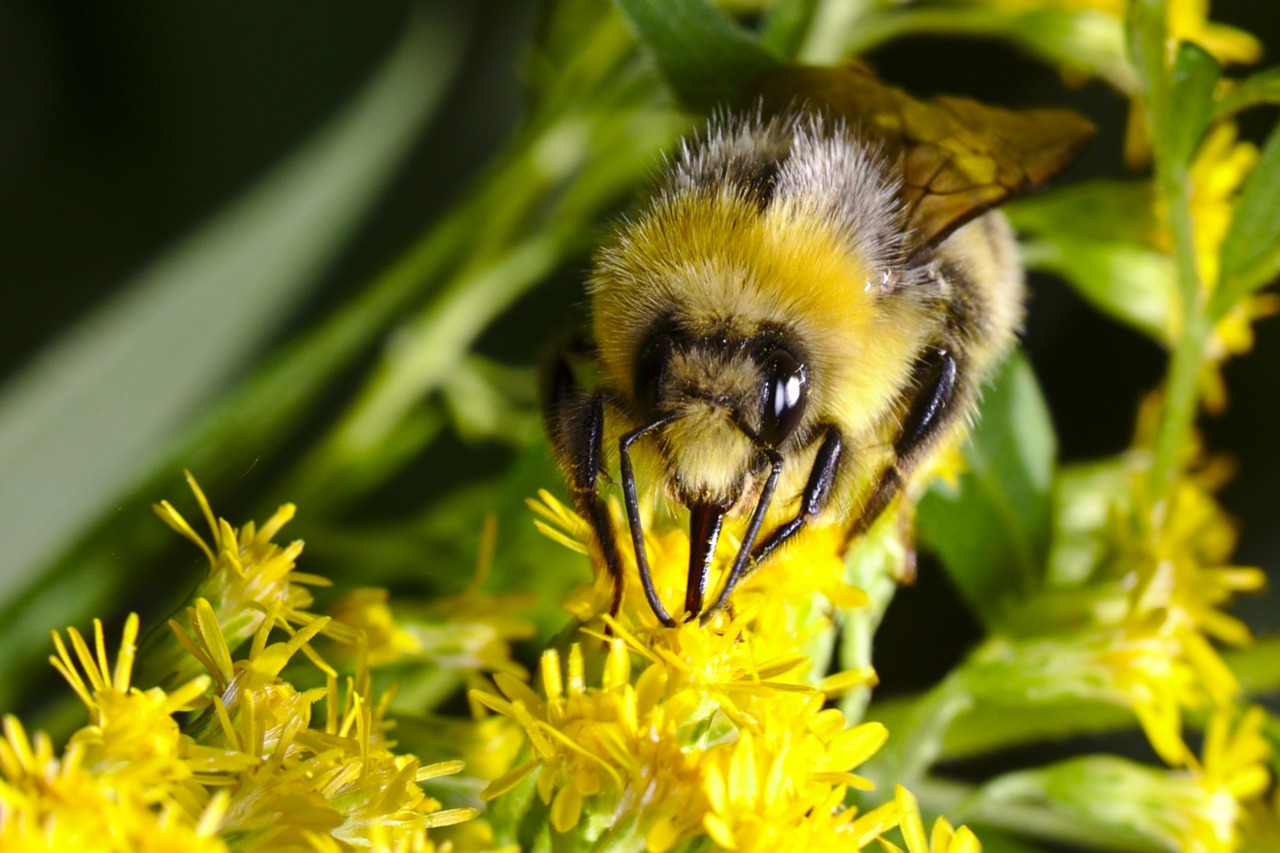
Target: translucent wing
{"x": 958, "y": 157}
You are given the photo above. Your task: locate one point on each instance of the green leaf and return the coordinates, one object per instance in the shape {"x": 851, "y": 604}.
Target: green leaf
{"x": 706, "y": 58}
{"x": 1101, "y": 209}
{"x": 992, "y": 531}
{"x": 1250, "y": 254}
{"x": 1096, "y": 236}
{"x": 1194, "y": 77}
{"x": 1085, "y": 500}
{"x": 1261, "y": 88}
{"x": 786, "y": 25}
{"x": 1134, "y": 284}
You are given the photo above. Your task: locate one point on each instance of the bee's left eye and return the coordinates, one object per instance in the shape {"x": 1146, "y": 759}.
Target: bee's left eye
{"x": 786, "y": 388}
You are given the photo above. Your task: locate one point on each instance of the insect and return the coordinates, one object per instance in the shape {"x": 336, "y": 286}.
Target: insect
{"x": 801, "y": 314}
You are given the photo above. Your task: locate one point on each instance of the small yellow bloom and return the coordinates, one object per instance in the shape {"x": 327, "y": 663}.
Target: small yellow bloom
{"x": 1232, "y": 772}
{"x": 1188, "y": 20}
{"x": 249, "y": 577}
{"x": 943, "y": 839}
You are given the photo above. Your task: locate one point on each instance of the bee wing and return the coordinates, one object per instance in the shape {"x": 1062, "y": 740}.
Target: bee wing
{"x": 958, "y": 157}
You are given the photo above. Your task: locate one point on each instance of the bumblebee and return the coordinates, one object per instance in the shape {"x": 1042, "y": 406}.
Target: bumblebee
{"x": 800, "y": 315}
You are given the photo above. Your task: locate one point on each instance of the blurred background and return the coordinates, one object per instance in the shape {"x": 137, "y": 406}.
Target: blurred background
{"x": 130, "y": 127}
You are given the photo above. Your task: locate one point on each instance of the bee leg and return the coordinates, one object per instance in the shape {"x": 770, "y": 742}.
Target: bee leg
{"x": 817, "y": 492}
{"x": 744, "y": 561}
{"x": 633, "y": 518}
{"x": 575, "y": 422}
{"x": 936, "y": 405}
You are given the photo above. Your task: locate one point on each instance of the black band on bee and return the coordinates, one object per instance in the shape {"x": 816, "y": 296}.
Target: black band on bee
{"x": 759, "y": 181}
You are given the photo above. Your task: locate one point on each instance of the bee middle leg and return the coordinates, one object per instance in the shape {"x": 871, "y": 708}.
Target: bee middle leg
{"x": 939, "y": 400}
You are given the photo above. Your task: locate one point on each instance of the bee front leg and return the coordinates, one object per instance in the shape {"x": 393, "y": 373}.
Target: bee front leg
{"x": 575, "y": 422}
{"x": 816, "y": 496}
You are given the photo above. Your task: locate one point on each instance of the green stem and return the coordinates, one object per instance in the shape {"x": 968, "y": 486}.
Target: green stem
{"x": 1181, "y": 388}
{"x": 874, "y": 565}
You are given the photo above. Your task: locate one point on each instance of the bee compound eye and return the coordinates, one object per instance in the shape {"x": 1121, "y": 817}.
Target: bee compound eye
{"x": 786, "y": 390}
{"x": 650, "y": 374}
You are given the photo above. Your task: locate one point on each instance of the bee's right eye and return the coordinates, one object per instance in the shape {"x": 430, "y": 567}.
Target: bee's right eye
{"x": 650, "y": 373}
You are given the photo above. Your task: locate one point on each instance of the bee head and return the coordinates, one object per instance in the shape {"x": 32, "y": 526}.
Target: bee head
{"x": 731, "y": 399}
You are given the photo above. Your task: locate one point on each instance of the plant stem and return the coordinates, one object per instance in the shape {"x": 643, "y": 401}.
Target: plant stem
{"x": 1181, "y": 387}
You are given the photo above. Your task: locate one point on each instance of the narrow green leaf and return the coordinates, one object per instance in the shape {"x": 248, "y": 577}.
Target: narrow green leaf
{"x": 1194, "y": 77}
{"x": 96, "y": 410}
{"x": 1261, "y": 88}
{"x": 1250, "y": 254}
{"x": 706, "y": 58}
{"x": 1096, "y": 236}
{"x": 992, "y": 531}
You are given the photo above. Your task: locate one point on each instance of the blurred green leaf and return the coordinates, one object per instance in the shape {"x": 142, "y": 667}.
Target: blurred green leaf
{"x": 98, "y": 408}
{"x": 77, "y": 557}
{"x": 1133, "y": 284}
{"x": 1194, "y": 76}
{"x": 992, "y": 531}
{"x": 1250, "y": 254}
{"x": 1096, "y": 236}
{"x": 1099, "y": 802}
{"x": 995, "y": 841}
{"x": 786, "y": 25}
{"x": 1084, "y": 499}
{"x": 706, "y": 58}
{"x": 1101, "y": 209}
{"x": 1261, "y": 88}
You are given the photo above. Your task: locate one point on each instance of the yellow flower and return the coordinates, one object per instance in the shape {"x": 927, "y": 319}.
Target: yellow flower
{"x": 252, "y": 766}
{"x": 670, "y": 757}
{"x": 1188, "y": 20}
{"x": 784, "y": 789}
{"x": 124, "y": 782}
{"x": 249, "y": 577}
{"x": 1220, "y": 166}
{"x": 943, "y": 839}
{"x": 1182, "y": 568}
{"x": 786, "y": 585}
{"x": 382, "y": 640}
{"x": 131, "y": 732}
{"x": 1233, "y": 771}
{"x": 1231, "y": 336}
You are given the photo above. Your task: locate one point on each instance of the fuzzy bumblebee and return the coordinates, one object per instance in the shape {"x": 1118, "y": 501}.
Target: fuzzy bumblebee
{"x": 800, "y": 315}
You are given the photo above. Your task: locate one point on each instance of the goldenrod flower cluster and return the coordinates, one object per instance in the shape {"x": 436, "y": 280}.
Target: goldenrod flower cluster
{"x": 230, "y": 754}
{"x": 721, "y": 732}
